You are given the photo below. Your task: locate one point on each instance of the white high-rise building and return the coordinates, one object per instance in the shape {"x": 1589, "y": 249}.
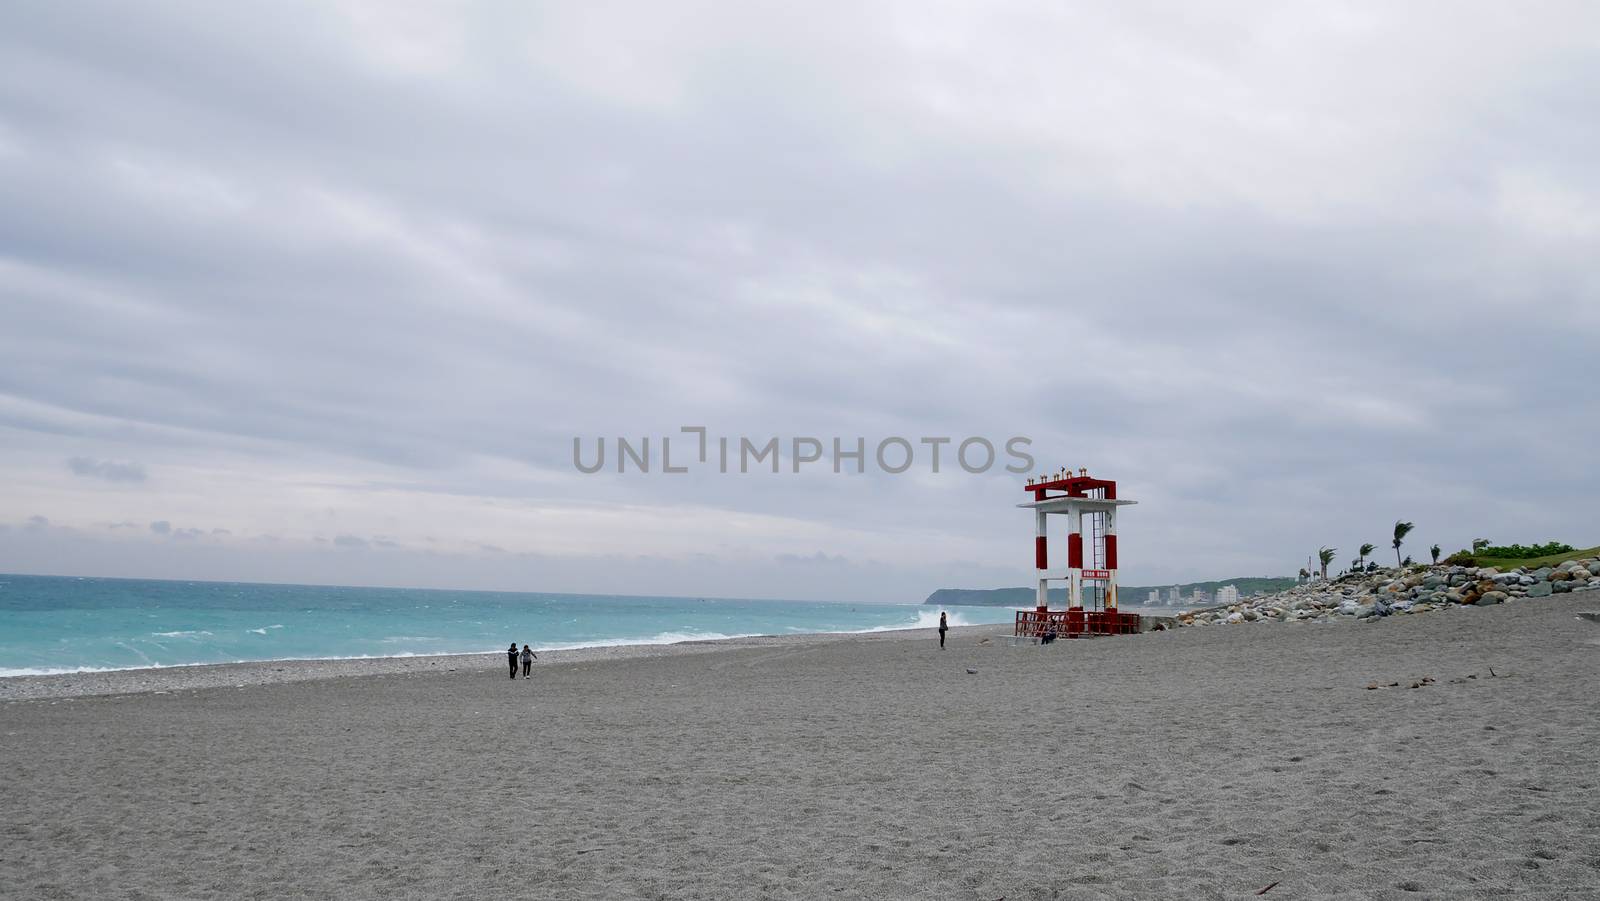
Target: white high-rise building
{"x": 1155, "y": 597}
{"x": 1228, "y": 594}
{"x": 1175, "y": 595}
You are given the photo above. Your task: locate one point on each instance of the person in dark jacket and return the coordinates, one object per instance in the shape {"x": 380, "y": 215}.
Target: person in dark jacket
{"x": 944, "y": 626}
{"x": 511, "y": 655}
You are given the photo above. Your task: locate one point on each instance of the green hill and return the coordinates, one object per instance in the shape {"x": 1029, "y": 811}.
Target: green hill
{"x": 1131, "y": 595}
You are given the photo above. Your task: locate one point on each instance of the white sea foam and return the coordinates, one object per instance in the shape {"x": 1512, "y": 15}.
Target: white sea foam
{"x": 8, "y": 672}
{"x": 926, "y": 619}
{"x": 659, "y": 638}
{"x": 192, "y": 633}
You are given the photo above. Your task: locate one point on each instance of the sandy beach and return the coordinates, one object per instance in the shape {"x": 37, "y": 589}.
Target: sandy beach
{"x": 1196, "y": 763}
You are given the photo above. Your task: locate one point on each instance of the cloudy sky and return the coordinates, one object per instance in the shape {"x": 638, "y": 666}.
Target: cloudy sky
{"x": 324, "y": 292}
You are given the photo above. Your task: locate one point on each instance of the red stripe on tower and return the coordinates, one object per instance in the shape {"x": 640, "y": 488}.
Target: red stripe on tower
{"x": 1075, "y": 551}
{"x": 1041, "y": 557}
{"x": 1111, "y": 552}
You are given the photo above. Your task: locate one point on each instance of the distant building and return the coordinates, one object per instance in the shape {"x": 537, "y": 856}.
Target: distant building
{"x": 1155, "y": 597}
{"x": 1175, "y": 595}
{"x": 1228, "y": 594}
{"x": 1199, "y": 596}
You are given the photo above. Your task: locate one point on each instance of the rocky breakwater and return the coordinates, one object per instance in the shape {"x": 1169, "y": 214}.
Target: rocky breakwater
{"x": 1417, "y": 589}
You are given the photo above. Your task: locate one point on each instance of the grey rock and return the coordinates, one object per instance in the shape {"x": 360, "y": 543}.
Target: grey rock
{"x": 1541, "y": 574}
{"x": 1540, "y": 590}
{"x": 1492, "y": 598}
{"x": 1563, "y": 587}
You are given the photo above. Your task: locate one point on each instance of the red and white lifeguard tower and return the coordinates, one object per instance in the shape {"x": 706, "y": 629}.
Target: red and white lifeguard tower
{"x": 1087, "y": 502}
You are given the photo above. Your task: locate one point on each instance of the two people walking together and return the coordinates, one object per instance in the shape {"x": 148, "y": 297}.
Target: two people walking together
{"x": 525, "y": 657}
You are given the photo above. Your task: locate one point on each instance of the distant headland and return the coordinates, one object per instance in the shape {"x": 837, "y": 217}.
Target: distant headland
{"x": 1187, "y": 594}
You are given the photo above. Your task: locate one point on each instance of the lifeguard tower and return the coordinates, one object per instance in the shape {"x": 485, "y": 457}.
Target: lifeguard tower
{"x": 1092, "y": 579}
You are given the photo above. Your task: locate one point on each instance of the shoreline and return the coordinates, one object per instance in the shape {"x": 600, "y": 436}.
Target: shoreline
{"x": 249, "y": 673}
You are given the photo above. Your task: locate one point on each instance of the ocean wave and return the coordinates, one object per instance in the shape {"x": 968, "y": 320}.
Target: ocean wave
{"x": 9, "y": 672}
{"x": 925, "y": 619}
{"x": 658, "y": 638}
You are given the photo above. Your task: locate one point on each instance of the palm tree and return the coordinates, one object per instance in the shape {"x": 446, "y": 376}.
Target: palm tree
{"x": 1479, "y": 544}
{"x": 1435, "y": 552}
{"x": 1401, "y": 530}
{"x": 1325, "y": 555}
{"x": 1303, "y": 575}
{"x": 1366, "y": 549}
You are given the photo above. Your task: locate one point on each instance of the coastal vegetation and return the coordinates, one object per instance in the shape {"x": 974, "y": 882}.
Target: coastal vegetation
{"x": 1512, "y": 556}
{"x": 1401, "y": 530}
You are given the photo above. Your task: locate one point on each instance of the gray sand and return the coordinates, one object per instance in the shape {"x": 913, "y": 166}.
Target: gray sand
{"x": 1199, "y": 763}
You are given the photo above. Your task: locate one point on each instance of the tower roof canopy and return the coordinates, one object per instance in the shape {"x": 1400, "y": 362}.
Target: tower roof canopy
{"x": 1062, "y": 504}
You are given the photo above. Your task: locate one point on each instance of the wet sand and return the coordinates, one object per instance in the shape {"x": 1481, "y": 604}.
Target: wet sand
{"x": 1196, "y": 763}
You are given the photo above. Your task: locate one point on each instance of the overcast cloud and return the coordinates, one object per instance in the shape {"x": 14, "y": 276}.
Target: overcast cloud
{"x": 327, "y": 290}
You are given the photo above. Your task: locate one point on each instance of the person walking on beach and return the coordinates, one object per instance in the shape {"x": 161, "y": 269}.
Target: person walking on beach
{"x": 528, "y": 656}
{"x": 511, "y": 655}
{"x": 944, "y": 626}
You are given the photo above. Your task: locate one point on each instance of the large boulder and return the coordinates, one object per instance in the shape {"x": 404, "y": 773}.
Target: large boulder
{"x": 1540, "y": 590}
{"x": 1489, "y": 599}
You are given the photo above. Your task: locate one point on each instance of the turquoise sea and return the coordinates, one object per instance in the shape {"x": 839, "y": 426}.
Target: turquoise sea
{"x": 51, "y": 624}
